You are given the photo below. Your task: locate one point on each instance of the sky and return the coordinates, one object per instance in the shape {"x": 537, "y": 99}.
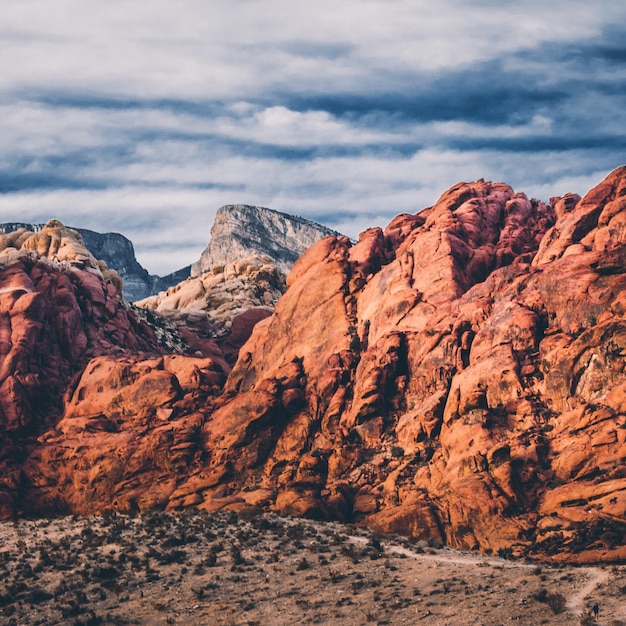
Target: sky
{"x": 145, "y": 116}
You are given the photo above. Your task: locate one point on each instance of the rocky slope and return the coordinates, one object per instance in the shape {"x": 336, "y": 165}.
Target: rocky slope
{"x": 59, "y": 308}
{"x": 239, "y": 277}
{"x": 208, "y": 305}
{"x": 458, "y": 376}
{"x": 241, "y": 231}
{"x": 119, "y": 254}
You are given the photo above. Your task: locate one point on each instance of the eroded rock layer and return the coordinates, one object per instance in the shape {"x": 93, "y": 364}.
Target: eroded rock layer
{"x": 459, "y": 376}
{"x": 119, "y": 254}
{"x": 209, "y": 304}
{"x": 59, "y": 308}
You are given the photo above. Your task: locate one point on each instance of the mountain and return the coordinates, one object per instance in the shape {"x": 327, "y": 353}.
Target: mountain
{"x": 221, "y": 303}
{"x": 59, "y": 307}
{"x": 240, "y": 231}
{"x": 239, "y": 277}
{"x": 119, "y": 254}
{"x": 458, "y": 376}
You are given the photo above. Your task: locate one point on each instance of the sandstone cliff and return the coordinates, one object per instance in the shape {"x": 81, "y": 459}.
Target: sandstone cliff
{"x": 119, "y": 254}
{"x": 458, "y": 376}
{"x": 59, "y": 307}
{"x": 209, "y": 304}
{"x": 241, "y": 231}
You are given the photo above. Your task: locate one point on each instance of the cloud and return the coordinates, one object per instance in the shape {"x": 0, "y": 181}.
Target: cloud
{"x": 144, "y": 119}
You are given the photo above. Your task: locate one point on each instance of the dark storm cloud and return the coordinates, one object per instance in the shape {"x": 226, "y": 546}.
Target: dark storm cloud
{"x": 471, "y": 98}
{"x": 509, "y": 90}
{"x": 63, "y": 100}
{"x": 542, "y": 144}
{"x": 315, "y": 50}
{"x": 346, "y": 113}
{"x": 11, "y": 182}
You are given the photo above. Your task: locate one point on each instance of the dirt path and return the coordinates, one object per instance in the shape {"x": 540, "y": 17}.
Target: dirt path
{"x": 575, "y": 602}
{"x": 597, "y": 576}
{"x": 453, "y": 557}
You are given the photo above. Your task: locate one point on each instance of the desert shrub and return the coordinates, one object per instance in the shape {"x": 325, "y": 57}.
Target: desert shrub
{"x": 37, "y": 595}
{"x": 505, "y": 553}
{"x": 302, "y": 565}
{"x": 90, "y": 620}
{"x": 375, "y": 543}
{"x": 173, "y": 556}
{"x": 296, "y": 531}
{"x": 556, "y": 601}
{"x": 236, "y": 556}
{"x": 105, "y": 572}
{"x": 350, "y": 551}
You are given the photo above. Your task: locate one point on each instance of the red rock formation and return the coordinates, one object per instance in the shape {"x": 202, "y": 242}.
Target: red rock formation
{"x": 59, "y": 307}
{"x": 445, "y": 385}
{"x": 130, "y": 432}
{"x": 459, "y": 376}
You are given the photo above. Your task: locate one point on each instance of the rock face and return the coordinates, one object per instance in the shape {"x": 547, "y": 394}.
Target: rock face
{"x": 208, "y": 304}
{"x": 118, "y": 253}
{"x": 241, "y": 231}
{"x": 239, "y": 277}
{"x": 459, "y": 376}
{"x": 59, "y": 307}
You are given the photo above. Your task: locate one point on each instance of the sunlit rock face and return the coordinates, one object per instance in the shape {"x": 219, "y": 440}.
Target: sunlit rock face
{"x": 209, "y": 303}
{"x": 119, "y": 254}
{"x": 241, "y": 231}
{"x": 458, "y": 376}
{"x": 59, "y": 307}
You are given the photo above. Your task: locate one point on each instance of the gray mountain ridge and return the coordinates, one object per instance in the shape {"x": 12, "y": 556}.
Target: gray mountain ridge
{"x": 242, "y": 230}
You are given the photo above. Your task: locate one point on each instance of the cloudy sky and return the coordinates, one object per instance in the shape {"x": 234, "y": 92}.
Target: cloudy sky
{"x": 145, "y": 116}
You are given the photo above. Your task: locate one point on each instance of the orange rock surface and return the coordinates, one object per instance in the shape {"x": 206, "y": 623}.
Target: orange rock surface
{"x": 59, "y": 308}
{"x": 459, "y": 376}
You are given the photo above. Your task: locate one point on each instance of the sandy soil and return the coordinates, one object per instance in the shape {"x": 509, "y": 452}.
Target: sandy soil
{"x": 260, "y": 569}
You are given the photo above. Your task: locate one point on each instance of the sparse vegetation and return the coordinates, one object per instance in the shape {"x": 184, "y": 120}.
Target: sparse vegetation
{"x": 255, "y": 568}
{"x": 556, "y": 601}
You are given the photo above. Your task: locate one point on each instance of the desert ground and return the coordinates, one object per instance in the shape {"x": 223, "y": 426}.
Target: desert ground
{"x": 256, "y": 568}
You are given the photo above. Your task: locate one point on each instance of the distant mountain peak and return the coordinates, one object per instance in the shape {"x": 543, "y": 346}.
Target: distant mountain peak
{"x": 242, "y": 230}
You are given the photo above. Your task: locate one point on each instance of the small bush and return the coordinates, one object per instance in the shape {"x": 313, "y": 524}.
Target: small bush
{"x": 236, "y": 556}
{"x": 556, "y": 601}
{"x": 505, "y": 553}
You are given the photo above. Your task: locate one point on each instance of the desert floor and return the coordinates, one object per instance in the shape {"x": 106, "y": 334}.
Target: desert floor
{"x": 261, "y": 569}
